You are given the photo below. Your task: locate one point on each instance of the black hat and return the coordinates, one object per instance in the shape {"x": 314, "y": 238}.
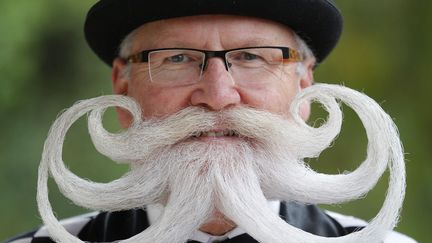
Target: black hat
{"x": 108, "y": 22}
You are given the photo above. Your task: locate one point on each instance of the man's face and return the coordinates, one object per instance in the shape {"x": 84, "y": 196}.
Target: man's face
{"x": 216, "y": 90}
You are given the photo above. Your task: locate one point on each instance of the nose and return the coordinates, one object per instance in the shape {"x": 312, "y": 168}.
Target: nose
{"x": 216, "y": 90}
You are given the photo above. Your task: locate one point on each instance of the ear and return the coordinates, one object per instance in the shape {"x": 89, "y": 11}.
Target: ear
{"x": 306, "y": 81}
{"x": 120, "y": 85}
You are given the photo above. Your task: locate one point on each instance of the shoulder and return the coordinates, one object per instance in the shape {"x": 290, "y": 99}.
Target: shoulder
{"x": 94, "y": 227}
{"x": 73, "y": 225}
{"x": 352, "y": 223}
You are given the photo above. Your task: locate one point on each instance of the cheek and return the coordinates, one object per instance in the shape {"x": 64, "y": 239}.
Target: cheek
{"x": 271, "y": 97}
{"x": 157, "y": 101}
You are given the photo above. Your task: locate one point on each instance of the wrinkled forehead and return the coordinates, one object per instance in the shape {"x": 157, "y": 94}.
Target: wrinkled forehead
{"x": 211, "y": 32}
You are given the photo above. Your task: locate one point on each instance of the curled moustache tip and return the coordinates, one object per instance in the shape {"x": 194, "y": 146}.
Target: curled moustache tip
{"x": 383, "y": 150}
{"x": 313, "y": 140}
{"x": 104, "y": 196}
{"x": 114, "y": 145}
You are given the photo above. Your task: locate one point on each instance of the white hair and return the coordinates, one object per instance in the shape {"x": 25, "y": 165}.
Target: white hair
{"x": 125, "y": 47}
{"x": 125, "y": 50}
{"x": 306, "y": 54}
{"x": 194, "y": 178}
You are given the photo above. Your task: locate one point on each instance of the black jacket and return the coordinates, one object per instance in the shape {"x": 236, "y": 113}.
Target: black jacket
{"x": 113, "y": 226}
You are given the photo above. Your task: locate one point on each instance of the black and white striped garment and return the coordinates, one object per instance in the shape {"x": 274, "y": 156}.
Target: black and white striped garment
{"x": 114, "y": 226}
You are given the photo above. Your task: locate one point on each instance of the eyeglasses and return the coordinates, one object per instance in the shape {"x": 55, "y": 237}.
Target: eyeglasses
{"x": 182, "y": 66}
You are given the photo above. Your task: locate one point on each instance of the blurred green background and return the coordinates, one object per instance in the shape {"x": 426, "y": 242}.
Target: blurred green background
{"x": 45, "y": 66}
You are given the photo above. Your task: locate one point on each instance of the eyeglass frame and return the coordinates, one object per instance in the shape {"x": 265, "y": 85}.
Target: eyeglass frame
{"x": 288, "y": 54}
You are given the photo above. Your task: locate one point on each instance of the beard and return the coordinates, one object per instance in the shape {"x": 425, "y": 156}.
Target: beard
{"x": 260, "y": 159}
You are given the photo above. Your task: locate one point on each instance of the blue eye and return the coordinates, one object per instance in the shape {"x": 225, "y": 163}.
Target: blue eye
{"x": 249, "y": 56}
{"x": 178, "y": 58}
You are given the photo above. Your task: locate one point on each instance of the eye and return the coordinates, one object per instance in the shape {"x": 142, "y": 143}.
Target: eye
{"x": 178, "y": 58}
{"x": 249, "y": 56}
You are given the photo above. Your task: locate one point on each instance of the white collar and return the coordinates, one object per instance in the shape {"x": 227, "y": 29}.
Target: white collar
{"x": 154, "y": 211}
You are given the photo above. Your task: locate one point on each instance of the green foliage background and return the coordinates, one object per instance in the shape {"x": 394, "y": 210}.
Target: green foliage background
{"x": 45, "y": 66}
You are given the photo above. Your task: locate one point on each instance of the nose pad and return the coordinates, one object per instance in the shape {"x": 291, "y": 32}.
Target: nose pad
{"x": 228, "y": 65}
{"x": 204, "y": 65}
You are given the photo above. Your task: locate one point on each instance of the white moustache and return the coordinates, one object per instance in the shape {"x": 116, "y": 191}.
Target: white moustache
{"x": 266, "y": 160}
{"x": 144, "y": 137}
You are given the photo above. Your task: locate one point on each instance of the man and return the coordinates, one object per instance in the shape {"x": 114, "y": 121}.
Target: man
{"x": 179, "y": 59}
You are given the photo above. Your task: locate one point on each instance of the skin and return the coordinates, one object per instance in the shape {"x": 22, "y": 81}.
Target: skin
{"x": 216, "y": 91}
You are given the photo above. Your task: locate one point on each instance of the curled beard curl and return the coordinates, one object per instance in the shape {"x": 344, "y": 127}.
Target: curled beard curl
{"x": 193, "y": 178}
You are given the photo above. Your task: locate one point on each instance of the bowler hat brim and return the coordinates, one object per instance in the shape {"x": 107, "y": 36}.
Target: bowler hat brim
{"x": 318, "y": 22}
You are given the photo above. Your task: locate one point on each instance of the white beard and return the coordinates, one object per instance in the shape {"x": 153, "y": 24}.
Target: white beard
{"x": 236, "y": 176}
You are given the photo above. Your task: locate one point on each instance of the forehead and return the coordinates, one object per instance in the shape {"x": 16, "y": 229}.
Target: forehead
{"x": 212, "y": 32}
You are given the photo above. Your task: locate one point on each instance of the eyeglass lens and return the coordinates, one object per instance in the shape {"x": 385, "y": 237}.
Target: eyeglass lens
{"x": 181, "y": 67}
